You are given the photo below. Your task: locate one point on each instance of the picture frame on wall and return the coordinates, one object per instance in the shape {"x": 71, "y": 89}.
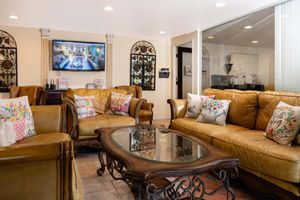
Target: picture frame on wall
{"x": 188, "y": 70}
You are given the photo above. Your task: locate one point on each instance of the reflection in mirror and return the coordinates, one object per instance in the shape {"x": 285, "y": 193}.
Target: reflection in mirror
{"x": 240, "y": 53}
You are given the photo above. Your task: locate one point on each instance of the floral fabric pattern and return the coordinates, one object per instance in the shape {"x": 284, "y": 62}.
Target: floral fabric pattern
{"x": 119, "y": 103}
{"x": 85, "y": 106}
{"x": 194, "y": 105}
{"x": 214, "y": 112}
{"x": 16, "y": 120}
{"x": 284, "y": 124}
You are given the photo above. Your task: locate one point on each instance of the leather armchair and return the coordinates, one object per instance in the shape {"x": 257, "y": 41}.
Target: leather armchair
{"x": 41, "y": 166}
{"x": 146, "y": 111}
{"x": 34, "y": 93}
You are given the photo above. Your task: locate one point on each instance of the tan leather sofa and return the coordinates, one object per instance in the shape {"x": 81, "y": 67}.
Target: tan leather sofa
{"x": 247, "y": 118}
{"x": 82, "y": 130}
{"x": 146, "y": 111}
{"x": 42, "y": 166}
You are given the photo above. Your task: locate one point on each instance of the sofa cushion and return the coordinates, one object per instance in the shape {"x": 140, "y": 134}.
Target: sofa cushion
{"x": 119, "y": 103}
{"x": 45, "y": 138}
{"x": 201, "y": 130}
{"x": 243, "y": 106}
{"x": 268, "y": 102}
{"x": 85, "y": 106}
{"x": 102, "y": 96}
{"x": 262, "y": 155}
{"x": 87, "y": 126}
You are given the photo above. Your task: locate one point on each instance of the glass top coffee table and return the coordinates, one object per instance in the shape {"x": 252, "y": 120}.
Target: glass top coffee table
{"x": 160, "y": 163}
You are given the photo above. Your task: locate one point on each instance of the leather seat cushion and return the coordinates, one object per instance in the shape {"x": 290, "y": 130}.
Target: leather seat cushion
{"x": 203, "y": 131}
{"x": 87, "y": 126}
{"x": 45, "y": 138}
{"x": 262, "y": 155}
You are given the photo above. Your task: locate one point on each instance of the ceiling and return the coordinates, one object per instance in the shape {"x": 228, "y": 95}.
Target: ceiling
{"x": 129, "y": 17}
{"x": 234, "y": 33}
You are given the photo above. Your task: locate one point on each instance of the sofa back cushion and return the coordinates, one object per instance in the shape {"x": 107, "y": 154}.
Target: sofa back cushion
{"x": 101, "y": 97}
{"x": 268, "y": 102}
{"x": 243, "y": 107}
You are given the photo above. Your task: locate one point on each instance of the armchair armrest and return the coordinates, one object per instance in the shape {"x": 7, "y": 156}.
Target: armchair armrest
{"x": 178, "y": 107}
{"x": 71, "y": 117}
{"x": 135, "y": 107}
{"x": 46, "y": 167}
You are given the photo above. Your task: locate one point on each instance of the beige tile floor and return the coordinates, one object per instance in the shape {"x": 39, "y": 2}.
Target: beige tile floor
{"x": 106, "y": 188}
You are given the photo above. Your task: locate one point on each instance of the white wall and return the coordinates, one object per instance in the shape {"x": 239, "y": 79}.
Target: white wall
{"x": 248, "y": 60}
{"x": 29, "y": 63}
{"x": 121, "y": 71}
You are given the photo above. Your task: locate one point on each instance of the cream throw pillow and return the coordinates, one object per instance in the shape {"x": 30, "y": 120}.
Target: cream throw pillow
{"x": 284, "y": 124}
{"x": 16, "y": 122}
{"x": 194, "y": 104}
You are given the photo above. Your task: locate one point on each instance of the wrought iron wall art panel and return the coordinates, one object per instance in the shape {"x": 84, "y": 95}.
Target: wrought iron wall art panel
{"x": 8, "y": 61}
{"x": 143, "y": 65}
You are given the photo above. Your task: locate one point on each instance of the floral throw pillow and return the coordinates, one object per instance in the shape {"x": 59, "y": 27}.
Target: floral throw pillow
{"x": 214, "y": 112}
{"x": 284, "y": 124}
{"x": 85, "y": 106}
{"x": 16, "y": 121}
{"x": 119, "y": 103}
{"x": 194, "y": 104}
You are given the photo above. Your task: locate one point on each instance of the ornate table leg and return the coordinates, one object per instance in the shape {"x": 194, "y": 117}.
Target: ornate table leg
{"x": 101, "y": 170}
{"x": 192, "y": 187}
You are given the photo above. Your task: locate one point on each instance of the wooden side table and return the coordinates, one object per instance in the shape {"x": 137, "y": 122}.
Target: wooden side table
{"x": 53, "y": 97}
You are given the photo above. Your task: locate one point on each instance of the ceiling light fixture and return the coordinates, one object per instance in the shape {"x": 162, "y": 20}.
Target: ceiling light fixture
{"x": 108, "y": 8}
{"x": 220, "y": 4}
{"x": 211, "y": 37}
{"x": 162, "y": 32}
{"x": 13, "y": 17}
{"x": 254, "y": 41}
{"x": 247, "y": 27}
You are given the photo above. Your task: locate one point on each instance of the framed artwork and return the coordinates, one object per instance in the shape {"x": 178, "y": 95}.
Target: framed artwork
{"x": 188, "y": 70}
{"x": 143, "y": 65}
{"x": 8, "y": 61}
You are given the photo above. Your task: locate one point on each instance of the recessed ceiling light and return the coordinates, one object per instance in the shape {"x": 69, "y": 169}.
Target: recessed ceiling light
{"x": 13, "y": 17}
{"x": 254, "y": 41}
{"x": 247, "y": 27}
{"x": 162, "y": 32}
{"x": 211, "y": 37}
{"x": 220, "y": 4}
{"x": 108, "y": 8}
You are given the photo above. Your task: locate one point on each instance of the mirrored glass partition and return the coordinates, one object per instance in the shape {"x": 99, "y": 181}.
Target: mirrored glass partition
{"x": 240, "y": 53}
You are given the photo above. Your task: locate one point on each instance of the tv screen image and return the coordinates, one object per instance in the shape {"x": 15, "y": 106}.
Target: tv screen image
{"x": 78, "y": 56}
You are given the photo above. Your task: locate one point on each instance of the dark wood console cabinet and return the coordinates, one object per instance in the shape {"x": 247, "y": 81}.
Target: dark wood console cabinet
{"x": 53, "y": 97}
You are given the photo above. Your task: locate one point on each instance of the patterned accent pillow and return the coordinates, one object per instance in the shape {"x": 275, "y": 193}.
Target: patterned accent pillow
{"x": 214, "y": 112}
{"x": 16, "y": 121}
{"x": 85, "y": 106}
{"x": 194, "y": 104}
{"x": 119, "y": 103}
{"x": 284, "y": 124}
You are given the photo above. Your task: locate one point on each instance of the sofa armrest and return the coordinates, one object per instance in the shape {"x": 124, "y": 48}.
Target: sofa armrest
{"x": 36, "y": 171}
{"x": 135, "y": 107}
{"x": 147, "y": 106}
{"x": 72, "y": 120}
{"x": 178, "y": 107}
{"x": 50, "y": 118}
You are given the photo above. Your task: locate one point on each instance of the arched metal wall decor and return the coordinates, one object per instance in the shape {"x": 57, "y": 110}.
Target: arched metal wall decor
{"x": 8, "y": 61}
{"x": 142, "y": 65}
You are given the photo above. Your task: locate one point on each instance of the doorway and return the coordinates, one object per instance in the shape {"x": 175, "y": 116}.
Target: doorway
{"x": 184, "y": 72}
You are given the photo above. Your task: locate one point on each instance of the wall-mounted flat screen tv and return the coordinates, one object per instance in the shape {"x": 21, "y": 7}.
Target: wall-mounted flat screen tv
{"x": 78, "y": 56}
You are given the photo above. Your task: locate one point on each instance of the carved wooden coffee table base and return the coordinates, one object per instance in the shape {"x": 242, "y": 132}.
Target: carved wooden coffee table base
{"x": 184, "y": 178}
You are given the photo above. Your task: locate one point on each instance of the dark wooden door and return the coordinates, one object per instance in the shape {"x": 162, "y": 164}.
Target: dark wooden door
{"x": 179, "y": 83}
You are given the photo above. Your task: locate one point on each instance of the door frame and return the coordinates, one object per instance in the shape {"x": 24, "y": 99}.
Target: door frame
{"x": 180, "y": 51}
